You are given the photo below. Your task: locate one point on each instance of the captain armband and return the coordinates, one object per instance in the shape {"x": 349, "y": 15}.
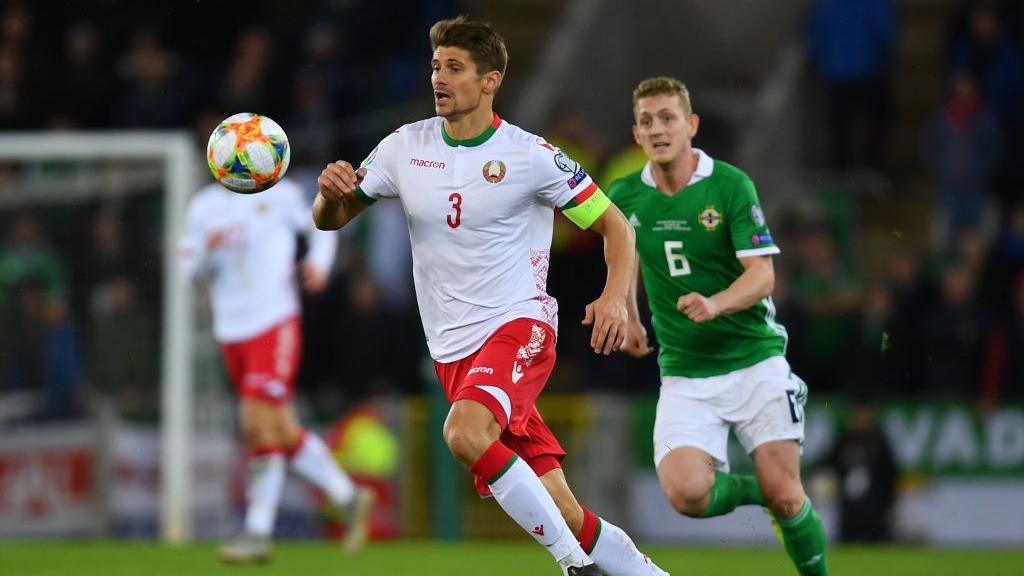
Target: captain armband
{"x": 587, "y": 206}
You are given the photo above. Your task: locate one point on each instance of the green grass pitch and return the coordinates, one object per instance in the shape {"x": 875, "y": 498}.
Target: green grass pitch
{"x": 472, "y": 558}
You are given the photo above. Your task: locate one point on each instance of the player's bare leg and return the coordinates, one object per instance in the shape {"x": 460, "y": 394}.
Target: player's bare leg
{"x": 687, "y": 475}
{"x": 266, "y": 474}
{"x": 472, "y": 434}
{"x": 310, "y": 458}
{"x": 610, "y": 547}
{"x": 778, "y": 472}
{"x": 696, "y": 489}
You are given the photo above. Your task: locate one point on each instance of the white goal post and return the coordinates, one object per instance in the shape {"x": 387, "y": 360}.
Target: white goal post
{"x": 177, "y": 152}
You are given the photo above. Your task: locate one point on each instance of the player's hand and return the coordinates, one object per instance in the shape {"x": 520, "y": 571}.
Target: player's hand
{"x": 339, "y": 180}
{"x": 636, "y": 344}
{"x": 697, "y": 307}
{"x": 608, "y": 316}
{"x": 313, "y": 279}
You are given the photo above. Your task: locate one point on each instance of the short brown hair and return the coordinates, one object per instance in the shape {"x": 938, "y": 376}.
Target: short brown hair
{"x": 663, "y": 85}
{"x": 483, "y": 43}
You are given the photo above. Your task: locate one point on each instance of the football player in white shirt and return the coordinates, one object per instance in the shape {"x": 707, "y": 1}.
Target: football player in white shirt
{"x": 244, "y": 247}
{"x": 479, "y": 196}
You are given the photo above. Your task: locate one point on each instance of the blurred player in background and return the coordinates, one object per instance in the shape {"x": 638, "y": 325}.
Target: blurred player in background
{"x": 244, "y": 246}
{"x": 705, "y": 251}
{"x": 479, "y": 195}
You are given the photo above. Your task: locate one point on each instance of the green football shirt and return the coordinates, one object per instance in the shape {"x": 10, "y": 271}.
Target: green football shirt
{"x": 692, "y": 242}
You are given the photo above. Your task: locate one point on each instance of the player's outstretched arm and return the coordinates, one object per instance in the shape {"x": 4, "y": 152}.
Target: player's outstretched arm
{"x": 608, "y": 314}
{"x": 756, "y": 282}
{"x": 337, "y": 204}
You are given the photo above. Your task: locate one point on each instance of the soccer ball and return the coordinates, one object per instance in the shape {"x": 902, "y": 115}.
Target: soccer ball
{"x": 248, "y": 153}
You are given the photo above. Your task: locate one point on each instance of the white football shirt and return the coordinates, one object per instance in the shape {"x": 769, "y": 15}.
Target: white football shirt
{"x": 480, "y": 214}
{"x": 252, "y": 274}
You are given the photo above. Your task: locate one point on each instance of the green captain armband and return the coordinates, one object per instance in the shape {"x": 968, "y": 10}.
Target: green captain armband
{"x": 362, "y": 197}
{"x": 587, "y": 207}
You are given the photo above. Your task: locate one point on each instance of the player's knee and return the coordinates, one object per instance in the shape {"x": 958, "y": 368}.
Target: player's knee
{"x": 254, "y": 435}
{"x": 784, "y": 497}
{"x": 467, "y": 443}
{"x": 689, "y": 496}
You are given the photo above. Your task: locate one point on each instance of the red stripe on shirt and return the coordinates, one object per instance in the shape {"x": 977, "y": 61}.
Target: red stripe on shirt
{"x": 497, "y": 121}
{"x": 586, "y": 194}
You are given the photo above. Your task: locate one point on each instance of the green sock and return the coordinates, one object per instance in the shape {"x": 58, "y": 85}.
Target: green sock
{"x": 730, "y": 491}
{"x": 804, "y": 538}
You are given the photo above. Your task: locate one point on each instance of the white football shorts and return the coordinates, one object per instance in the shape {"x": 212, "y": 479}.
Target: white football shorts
{"x": 762, "y": 403}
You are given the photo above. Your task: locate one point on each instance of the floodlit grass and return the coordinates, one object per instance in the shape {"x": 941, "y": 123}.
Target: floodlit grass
{"x": 470, "y": 558}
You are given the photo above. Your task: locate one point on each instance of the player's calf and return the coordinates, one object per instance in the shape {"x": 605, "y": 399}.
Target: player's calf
{"x": 522, "y": 496}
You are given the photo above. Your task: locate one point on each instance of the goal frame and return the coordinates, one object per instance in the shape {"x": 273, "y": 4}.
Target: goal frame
{"x": 176, "y": 150}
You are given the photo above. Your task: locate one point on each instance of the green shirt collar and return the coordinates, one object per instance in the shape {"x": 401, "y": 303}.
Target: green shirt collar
{"x": 478, "y": 140}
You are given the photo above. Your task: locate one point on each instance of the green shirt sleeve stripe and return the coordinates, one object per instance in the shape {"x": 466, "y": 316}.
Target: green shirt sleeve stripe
{"x": 584, "y": 215}
{"x": 362, "y": 197}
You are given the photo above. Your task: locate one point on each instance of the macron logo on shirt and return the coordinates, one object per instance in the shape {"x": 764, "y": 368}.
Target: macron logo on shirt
{"x": 426, "y": 163}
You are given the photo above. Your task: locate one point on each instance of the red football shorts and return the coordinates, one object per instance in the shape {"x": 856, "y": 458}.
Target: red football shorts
{"x": 264, "y": 367}
{"x": 506, "y": 375}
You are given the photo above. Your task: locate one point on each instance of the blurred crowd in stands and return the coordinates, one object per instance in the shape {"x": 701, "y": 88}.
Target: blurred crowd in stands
{"x": 936, "y": 315}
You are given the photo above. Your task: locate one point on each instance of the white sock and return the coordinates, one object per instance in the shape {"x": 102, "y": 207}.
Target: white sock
{"x": 266, "y": 479}
{"x": 315, "y": 463}
{"x": 522, "y": 496}
{"x": 616, "y": 554}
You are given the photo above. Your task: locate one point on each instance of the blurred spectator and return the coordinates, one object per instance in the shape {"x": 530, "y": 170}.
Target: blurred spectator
{"x": 871, "y": 368}
{"x": 16, "y": 27}
{"x": 1003, "y": 374}
{"x": 17, "y": 105}
{"x": 994, "y": 57}
{"x": 123, "y": 355}
{"x": 952, "y": 337}
{"x": 867, "y": 474}
{"x": 910, "y": 295}
{"x": 1005, "y": 262}
{"x": 43, "y": 354}
{"x": 85, "y": 91}
{"x": 828, "y": 289}
{"x": 390, "y": 342}
{"x": 248, "y": 76}
{"x": 311, "y": 127}
{"x": 151, "y": 99}
{"x": 327, "y": 93}
{"x": 963, "y": 149}
{"x": 850, "y": 44}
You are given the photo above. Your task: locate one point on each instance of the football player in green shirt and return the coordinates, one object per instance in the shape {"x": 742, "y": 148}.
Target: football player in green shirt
{"x": 706, "y": 256}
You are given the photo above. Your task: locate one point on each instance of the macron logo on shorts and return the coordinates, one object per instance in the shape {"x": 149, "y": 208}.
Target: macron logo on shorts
{"x": 480, "y": 370}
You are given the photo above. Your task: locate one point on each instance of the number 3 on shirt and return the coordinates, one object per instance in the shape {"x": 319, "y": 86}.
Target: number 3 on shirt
{"x": 456, "y": 219}
{"x": 678, "y": 265}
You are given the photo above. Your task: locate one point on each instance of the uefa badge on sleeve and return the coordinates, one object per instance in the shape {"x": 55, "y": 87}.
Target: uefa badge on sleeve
{"x": 757, "y": 215}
